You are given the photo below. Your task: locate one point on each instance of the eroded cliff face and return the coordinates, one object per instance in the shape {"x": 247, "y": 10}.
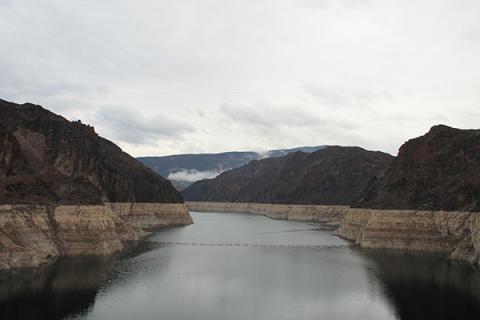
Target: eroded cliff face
{"x": 23, "y": 240}
{"x": 150, "y": 216}
{"x": 454, "y": 233}
{"x": 31, "y": 234}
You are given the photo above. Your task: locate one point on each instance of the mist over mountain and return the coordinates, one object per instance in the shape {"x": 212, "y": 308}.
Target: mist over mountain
{"x": 184, "y": 169}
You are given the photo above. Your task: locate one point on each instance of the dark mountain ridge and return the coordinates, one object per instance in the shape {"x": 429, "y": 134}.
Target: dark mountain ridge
{"x": 184, "y": 169}
{"x": 332, "y": 176}
{"x": 437, "y": 171}
{"x": 45, "y": 158}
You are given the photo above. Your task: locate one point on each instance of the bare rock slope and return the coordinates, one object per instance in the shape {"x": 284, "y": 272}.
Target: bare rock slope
{"x": 45, "y": 158}
{"x": 437, "y": 171}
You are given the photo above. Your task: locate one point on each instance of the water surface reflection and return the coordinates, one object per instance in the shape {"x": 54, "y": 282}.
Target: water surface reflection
{"x": 59, "y": 289}
{"x": 426, "y": 286}
{"x": 234, "y": 266}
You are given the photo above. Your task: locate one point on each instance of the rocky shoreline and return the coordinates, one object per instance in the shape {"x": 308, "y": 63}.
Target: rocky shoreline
{"x": 332, "y": 215}
{"x": 451, "y": 232}
{"x": 31, "y": 234}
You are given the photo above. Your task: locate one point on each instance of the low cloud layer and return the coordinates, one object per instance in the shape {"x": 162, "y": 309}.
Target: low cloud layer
{"x": 186, "y": 76}
{"x": 192, "y": 175}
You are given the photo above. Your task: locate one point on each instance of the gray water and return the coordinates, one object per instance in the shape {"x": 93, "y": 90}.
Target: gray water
{"x": 239, "y": 266}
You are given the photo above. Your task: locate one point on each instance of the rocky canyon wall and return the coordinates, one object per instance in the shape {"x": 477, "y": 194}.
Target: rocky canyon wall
{"x": 454, "y": 233}
{"x": 31, "y": 234}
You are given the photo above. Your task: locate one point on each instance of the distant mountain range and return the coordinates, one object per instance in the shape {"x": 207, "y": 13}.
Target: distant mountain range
{"x": 332, "y": 176}
{"x": 184, "y": 169}
{"x": 437, "y": 171}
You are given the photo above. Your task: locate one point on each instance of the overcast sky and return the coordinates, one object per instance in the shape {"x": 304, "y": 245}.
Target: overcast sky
{"x": 162, "y": 77}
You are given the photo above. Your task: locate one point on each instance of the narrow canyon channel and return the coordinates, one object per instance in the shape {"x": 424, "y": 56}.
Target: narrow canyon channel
{"x": 243, "y": 266}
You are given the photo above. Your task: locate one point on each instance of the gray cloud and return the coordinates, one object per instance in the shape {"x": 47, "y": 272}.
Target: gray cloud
{"x": 268, "y": 116}
{"x": 471, "y": 35}
{"x": 5, "y": 2}
{"x": 298, "y": 72}
{"x": 133, "y": 127}
{"x": 322, "y": 4}
{"x": 345, "y": 98}
{"x": 15, "y": 86}
{"x": 266, "y": 123}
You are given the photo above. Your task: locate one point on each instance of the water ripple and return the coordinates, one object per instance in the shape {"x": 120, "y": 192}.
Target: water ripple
{"x": 250, "y": 245}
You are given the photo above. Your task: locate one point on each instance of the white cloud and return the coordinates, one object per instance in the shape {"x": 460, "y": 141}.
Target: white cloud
{"x": 192, "y": 175}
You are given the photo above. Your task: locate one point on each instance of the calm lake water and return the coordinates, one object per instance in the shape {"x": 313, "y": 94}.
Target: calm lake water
{"x": 238, "y": 266}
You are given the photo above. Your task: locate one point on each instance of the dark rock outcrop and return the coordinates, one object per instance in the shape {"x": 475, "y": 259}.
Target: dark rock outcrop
{"x": 437, "y": 171}
{"x": 46, "y": 159}
{"x": 331, "y": 176}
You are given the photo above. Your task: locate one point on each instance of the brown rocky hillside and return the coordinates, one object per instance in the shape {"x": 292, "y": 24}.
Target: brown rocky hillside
{"x": 334, "y": 176}
{"x": 437, "y": 171}
{"x": 45, "y": 158}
